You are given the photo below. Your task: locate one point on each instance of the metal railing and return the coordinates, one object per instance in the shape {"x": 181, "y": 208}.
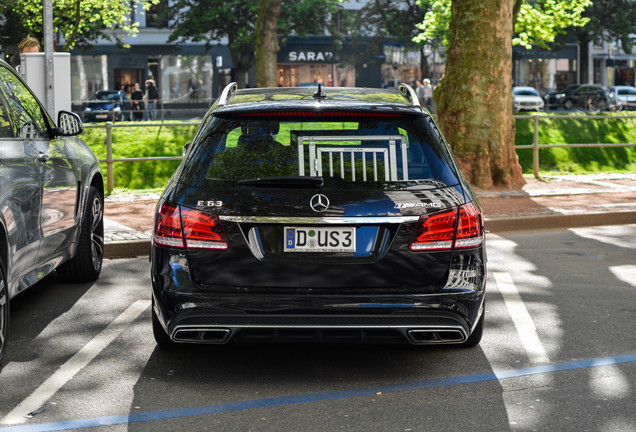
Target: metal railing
{"x": 535, "y": 146}
{"x": 110, "y": 181}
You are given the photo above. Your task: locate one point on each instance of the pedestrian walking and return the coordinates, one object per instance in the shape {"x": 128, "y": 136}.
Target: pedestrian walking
{"x": 419, "y": 90}
{"x": 137, "y": 97}
{"x": 151, "y": 96}
{"x": 427, "y": 92}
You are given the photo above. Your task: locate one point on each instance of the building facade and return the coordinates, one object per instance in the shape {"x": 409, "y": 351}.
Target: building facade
{"x": 188, "y": 72}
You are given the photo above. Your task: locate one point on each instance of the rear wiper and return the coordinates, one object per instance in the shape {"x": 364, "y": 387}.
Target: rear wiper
{"x": 284, "y": 181}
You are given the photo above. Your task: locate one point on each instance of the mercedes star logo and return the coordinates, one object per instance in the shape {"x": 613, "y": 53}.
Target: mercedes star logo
{"x": 319, "y": 203}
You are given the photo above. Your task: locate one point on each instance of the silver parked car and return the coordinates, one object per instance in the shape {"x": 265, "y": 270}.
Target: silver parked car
{"x": 51, "y": 197}
{"x": 623, "y": 97}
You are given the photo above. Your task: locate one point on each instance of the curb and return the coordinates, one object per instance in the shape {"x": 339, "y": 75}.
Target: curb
{"x": 127, "y": 249}
{"x": 559, "y": 221}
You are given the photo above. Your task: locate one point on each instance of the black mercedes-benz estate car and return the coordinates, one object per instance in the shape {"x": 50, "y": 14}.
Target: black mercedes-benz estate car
{"x": 309, "y": 214}
{"x": 51, "y": 196}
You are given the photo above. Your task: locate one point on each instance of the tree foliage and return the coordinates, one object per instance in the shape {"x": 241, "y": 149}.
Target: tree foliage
{"x": 80, "y": 22}
{"x": 214, "y": 21}
{"x": 536, "y": 22}
{"x": 611, "y": 21}
{"x": 473, "y": 97}
{"x": 396, "y": 20}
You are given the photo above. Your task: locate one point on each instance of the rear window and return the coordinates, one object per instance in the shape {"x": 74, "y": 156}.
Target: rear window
{"x": 352, "y": 152}
{"x": 525, "y": 92}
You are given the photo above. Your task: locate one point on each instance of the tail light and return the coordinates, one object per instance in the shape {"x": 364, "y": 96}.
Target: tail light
{"x": 459, "y": 228}
{"x": 181, "y": 227}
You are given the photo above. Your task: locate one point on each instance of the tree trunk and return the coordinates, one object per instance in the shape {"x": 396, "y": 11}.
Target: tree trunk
{"x": 474, "y": 97}
{"x": 266, "y": 34}
{"x": 242, "y": 64}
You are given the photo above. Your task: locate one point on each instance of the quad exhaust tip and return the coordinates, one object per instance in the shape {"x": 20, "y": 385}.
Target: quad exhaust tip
{"x": 201, "y": 335}
{"x": 436, "y": 335}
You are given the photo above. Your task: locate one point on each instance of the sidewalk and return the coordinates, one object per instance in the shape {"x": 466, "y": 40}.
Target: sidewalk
{"x": 563, "y": 201}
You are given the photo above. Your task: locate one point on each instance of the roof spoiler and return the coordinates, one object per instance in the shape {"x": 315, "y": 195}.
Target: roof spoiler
{"x": 410, "y": 94}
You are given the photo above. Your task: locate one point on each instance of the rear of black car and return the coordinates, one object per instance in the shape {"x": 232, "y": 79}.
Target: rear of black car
{"x": 304, "y": 221}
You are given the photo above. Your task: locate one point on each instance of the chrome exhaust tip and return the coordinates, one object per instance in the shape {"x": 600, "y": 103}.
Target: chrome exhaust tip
{"x": 201, "y": 335}
{"x": 421, "y": 336}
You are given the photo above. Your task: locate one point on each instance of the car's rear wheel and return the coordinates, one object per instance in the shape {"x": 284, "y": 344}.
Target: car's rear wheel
{"x": 475, "y": 336}
{"x": 4, "y": 312}
{"x": 86, "y": 265}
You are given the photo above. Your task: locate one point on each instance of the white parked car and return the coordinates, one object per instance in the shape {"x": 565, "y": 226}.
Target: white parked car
{"x": 527, "y": 99}
{"x": 623, "y": 97}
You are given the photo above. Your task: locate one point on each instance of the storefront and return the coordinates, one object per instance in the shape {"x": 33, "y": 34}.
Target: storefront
{"x": 546, "y": 70}
{"x": 399, "y": 65}
{"x": 307, "y": 62}
{"x": 181, "y": 74}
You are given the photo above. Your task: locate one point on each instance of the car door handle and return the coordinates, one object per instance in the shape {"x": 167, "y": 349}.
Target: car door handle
{"x": 44, "y": 158}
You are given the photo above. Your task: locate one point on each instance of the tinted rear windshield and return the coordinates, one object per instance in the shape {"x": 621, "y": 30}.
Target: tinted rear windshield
{"x": 353, "y": 151}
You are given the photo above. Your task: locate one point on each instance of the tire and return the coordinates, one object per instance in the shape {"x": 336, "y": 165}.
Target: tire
{"x": 475, "y": 336}
{"x": 598, "y": 104}
{"x": 161, "y": 337}
{"x": 86, "y": 265}
{"x": 4, "y": 312}
{"x": 568, "y": 104}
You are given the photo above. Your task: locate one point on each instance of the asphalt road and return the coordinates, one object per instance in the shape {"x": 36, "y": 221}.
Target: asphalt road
{"x": 558, "y": 354}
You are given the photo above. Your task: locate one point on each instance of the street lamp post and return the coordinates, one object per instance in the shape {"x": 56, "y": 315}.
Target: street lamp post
{"x": 48, "y": 56}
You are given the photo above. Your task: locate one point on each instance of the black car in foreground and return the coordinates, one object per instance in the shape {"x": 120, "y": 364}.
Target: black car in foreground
{"x": 108, "y": 105}
{"x": 300, "y": 214}
{"x": 51, "y": 197}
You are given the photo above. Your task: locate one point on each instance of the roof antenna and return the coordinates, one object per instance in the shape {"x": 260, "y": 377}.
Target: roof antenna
{"x": 319, "y": 94}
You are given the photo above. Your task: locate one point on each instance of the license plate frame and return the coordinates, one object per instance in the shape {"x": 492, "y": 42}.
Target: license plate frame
{"x": 328, "y": 239}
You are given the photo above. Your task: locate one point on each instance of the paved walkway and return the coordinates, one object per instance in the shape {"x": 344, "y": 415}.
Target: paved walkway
{"x": 560, "y": 201}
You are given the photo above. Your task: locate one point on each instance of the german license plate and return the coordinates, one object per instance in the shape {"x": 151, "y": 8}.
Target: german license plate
{"x": 101, "y": 116}
{"x": 312, "y": 239}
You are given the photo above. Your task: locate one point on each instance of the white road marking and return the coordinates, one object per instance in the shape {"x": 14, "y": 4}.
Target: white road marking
{"x": 626, "y": 273}
{"x": 84, "y": 356}
{"x": 521, "y": 318}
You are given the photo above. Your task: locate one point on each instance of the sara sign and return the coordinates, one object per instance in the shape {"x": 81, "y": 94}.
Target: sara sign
{"x": 306, "y": 56}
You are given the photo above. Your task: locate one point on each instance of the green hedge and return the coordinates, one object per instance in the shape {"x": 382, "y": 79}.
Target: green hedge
{"x": 554, "y": 129}
{"x": 135, "y": 141}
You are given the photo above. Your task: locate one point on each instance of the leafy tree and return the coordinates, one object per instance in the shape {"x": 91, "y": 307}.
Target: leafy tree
{"x": 610, "y": 21}
{"x": 214, "y": 20}
{"x": 267, "y": 42}
{"x": 79, "y": 22}
{"x": 397, "y": 20}
{"x": 473, "y": 97}
{"x": 536, "y": 22}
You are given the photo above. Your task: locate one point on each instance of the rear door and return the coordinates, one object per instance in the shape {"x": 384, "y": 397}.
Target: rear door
{"x": 264, "y": 182}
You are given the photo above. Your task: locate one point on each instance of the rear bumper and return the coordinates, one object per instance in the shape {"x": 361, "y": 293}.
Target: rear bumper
{"x": 417, "y": 327}
{"x": 426, "y": 314}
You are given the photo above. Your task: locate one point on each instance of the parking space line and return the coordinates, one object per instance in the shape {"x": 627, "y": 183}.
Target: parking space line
{"x": 84, "y": 356}
{"x": 521, "y": 318}
{"x": 319, "y": 397}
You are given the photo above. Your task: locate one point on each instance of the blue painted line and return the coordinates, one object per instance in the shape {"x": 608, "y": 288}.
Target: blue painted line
{"x": 318, "y": 397}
